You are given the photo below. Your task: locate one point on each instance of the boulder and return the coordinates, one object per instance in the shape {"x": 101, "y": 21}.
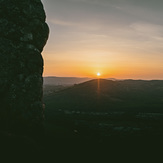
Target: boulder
{"x": 23, "y": 34}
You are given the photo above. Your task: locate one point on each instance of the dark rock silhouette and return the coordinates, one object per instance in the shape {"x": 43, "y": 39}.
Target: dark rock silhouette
{"x": 23, "y": 34}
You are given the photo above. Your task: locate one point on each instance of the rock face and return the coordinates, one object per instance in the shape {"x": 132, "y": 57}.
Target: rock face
{"x": 23, "y": 34}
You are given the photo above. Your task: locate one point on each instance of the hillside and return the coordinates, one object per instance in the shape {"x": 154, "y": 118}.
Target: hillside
{"x": 108, "y": 95}
{"x": 104, "y": 112}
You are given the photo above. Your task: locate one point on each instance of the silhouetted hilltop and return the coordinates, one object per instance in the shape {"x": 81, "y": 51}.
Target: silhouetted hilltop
{"x": 102, "y": 94}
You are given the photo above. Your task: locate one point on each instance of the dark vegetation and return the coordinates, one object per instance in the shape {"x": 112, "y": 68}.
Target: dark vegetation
{"x": 98, "y": 114}
{"x": 128, "y": 95}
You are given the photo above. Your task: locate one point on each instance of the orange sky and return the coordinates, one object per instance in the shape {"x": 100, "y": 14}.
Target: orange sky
{"x": 119, "y": 39}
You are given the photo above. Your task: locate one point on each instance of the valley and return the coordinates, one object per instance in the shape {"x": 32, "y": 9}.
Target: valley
{"x": 117, "y": 109}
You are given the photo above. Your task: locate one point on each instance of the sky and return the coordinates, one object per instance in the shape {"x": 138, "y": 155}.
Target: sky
{"x": 120, "y": 39}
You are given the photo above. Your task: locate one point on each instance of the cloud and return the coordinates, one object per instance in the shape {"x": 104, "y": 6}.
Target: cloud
{"x": 78, "y": 0}
{"x": 76, "y": 25}
{"x": 148, "y": 30}
{"x": 62, "y": 22}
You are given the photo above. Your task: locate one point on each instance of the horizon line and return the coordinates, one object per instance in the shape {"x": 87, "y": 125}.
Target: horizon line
{"x": 100, "y": 78}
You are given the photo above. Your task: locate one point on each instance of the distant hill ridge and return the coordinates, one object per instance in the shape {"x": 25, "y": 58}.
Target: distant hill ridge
{"x": 53, "y": 80}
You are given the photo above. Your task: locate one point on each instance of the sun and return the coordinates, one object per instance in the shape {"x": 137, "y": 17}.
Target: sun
{"x": 98, "y": 74}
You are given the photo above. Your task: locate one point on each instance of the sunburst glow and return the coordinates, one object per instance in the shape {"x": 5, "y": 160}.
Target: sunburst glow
{"x": 98, "y": 74}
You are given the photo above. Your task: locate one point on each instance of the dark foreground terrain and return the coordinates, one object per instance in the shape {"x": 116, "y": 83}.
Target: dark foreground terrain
{"x": 105, "y": 118}
{"x": 98, "y": 120}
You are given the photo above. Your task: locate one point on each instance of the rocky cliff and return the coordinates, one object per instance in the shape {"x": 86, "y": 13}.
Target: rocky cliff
{"x": 23, "y": 34}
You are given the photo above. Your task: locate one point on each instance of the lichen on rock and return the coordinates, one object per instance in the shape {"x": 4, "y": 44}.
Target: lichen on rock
{"x": 23, "y": 34}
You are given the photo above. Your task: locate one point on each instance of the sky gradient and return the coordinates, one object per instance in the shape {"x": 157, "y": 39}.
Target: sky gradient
{"x": 118, "y": 38}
